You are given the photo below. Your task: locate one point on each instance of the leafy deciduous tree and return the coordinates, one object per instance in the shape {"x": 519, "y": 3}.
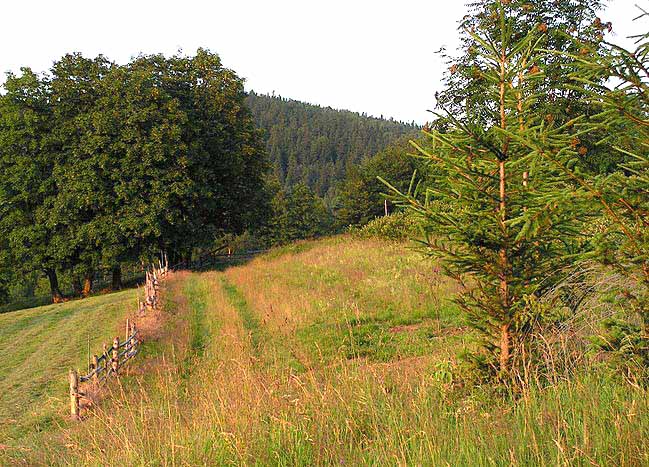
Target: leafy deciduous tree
{"x": 103, "y": 164}
{"x": 361, "y": 195}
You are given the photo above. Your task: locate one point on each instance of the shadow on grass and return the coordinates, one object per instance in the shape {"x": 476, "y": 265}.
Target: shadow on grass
{"x": 43, "y": 300}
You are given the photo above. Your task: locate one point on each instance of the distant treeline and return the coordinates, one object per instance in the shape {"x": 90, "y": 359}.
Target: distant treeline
{"x": 317, "y": 145}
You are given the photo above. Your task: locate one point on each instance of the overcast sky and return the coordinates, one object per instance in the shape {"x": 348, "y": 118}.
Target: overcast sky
{"x": 368, "y": 56}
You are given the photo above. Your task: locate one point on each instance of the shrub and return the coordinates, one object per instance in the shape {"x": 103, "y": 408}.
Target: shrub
{"x": 398, "y": 226}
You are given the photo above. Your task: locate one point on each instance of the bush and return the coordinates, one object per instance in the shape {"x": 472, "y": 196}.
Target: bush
{"x": 398, "y": 226}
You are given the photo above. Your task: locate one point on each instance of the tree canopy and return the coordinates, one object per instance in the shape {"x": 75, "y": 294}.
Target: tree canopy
{"x": 501, "y": 216}
{"x": 103, "y": 163}
{"x": 361, "y": 195}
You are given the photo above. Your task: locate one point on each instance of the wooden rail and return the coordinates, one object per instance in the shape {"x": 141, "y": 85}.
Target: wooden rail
{"x": 216, "y": 258}
{"x": 113, "y": 358}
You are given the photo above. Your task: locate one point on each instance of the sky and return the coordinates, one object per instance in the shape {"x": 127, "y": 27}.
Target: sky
{"x": 377, "y": 57}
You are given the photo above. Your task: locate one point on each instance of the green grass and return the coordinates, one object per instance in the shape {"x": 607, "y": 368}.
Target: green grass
{"x": 352, "y": 300}
{"x": 196, "y": 294}
{"x": 248, "y": 317}
{"x": 37, "y": 347}
{"x": 28, "y": 302}
{"x": 338, "y": 351}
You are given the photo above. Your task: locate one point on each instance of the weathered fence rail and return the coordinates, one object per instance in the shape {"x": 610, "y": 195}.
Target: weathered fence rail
{"x": 217, "y": 258}
{"x": 113, "y": 358}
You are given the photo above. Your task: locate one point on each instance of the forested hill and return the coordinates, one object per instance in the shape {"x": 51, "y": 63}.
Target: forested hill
{"x": 314, "y": 145}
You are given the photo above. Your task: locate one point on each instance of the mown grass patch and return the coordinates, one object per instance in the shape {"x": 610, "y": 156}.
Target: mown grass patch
{"x": 37, "y": 347}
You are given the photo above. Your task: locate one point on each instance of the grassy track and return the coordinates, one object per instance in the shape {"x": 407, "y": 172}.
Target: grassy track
{"x": 341, "y": 352}
{"x": 248, "y": 316}
{"x": 196, "y": 294}
{"x": 363, "y": 300}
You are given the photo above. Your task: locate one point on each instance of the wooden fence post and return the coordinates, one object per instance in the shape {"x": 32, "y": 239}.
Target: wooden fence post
{"x": 128, "y": 329}
{"x": 74, "y": 394}
{"x": 115, "y": 359}
{"x": 95, "y": 366}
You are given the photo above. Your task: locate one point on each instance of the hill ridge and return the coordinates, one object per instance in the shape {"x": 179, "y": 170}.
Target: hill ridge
{"x": 315, "y": 145}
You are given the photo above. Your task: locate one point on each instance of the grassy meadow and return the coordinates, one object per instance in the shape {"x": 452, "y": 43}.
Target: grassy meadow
{"x": 37, "y": 347}
{"x": 338, "y": 351}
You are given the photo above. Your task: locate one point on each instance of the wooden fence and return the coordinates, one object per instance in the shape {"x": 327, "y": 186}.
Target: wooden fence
{"x": 113, "y": 358}
{"x": 220, "y": 257}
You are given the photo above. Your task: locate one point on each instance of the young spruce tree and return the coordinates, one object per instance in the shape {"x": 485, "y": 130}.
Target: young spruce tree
{"x": 616, "y": 81}
{"x": 495, "y": 211}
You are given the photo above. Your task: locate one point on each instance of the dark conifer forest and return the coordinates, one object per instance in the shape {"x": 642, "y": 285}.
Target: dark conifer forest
{"x": 317, "y": 145}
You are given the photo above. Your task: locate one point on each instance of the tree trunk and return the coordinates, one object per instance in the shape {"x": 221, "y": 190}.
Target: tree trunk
{"x": 76, "y": 286}
{"x": 505, "y": 343}
{"x": 57, "y": 296}
{"x": 117, "y": 278}
{"x": 505, "y": 338}
{"x": 87, "y": 284}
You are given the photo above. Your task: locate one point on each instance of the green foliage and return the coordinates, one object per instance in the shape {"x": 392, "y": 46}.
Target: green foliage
{"x": 102, "y": 164}
{"x": 317, "y": 145}
{"x": 27, "y": 167}
{"x": 398, "y": 226}
{"x": 6, "y": 275}
{"x": 212, "y": 182}
{"x": 563, "y": 24}
{"x": 499, "y": 215}
{"x": 361, "y": 195}
{"x": 297, "y": 213}
{"x": 617, "y": 82}
{"x": 628, "y": 347}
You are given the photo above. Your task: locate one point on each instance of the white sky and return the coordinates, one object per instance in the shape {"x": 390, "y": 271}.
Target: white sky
{"x": 368, "y": 56}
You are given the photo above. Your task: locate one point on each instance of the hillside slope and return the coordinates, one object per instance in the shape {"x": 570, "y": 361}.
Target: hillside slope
{"x": 37, "y": 347}
{"x": 337, "y": 351}
{"x": 310, "y": 144}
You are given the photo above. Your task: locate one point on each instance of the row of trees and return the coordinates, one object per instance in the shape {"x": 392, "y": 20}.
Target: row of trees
{"x": 361, "y": 196}
{"x": 542, "y": 131}
{"x": 297, "y": 212}
{"x": 104, "y": 164}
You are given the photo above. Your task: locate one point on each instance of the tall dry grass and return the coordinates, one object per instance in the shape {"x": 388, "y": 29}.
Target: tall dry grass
{"x": 225, "y": 388}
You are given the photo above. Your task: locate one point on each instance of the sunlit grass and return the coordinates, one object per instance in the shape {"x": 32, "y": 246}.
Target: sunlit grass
{"x": 340, "y": 352}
